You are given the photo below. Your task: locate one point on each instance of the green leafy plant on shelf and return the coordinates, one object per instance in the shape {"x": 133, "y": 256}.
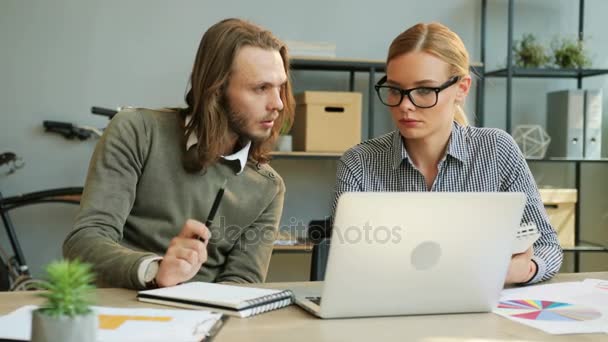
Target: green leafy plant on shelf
{"x": 286, "y": 127}
{"x": 66, "y": 315}
{"x": 529, "y": 53}
{"x": 569, "y": 53}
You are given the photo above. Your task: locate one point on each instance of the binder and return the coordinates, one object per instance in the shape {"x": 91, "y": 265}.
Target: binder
{"x": 233, "y": 300}
{"x": 565, "y": 123}
{"x": 593, "y": 124}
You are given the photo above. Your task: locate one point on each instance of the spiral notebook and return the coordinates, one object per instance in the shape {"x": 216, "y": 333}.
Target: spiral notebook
{"x": 233, "y": 300}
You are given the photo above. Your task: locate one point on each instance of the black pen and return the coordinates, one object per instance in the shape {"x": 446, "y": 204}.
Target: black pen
{"x": 216, "y": 204}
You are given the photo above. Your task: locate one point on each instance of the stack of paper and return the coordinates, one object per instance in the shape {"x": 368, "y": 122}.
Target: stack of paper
{"x": 562, "y": 308}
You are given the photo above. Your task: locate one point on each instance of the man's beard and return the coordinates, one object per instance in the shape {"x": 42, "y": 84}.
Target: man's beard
{"x": 237, "y": 122}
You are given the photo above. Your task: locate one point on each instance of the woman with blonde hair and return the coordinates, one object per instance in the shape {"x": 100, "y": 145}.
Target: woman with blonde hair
{"x": 434, "y": 149}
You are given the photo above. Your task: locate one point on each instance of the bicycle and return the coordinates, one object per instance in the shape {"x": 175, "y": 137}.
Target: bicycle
{"x": 14, "y": 271}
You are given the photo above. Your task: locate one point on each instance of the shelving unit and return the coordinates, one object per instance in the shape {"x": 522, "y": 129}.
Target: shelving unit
{"x": 351, "y": 66}
{"x": 511, "y": 72}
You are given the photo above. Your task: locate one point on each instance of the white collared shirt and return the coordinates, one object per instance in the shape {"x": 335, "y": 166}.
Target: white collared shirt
{"x": 241, "y": 155}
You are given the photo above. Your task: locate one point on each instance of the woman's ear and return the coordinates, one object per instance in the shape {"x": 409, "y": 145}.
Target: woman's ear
{"x": 463, "y": 86}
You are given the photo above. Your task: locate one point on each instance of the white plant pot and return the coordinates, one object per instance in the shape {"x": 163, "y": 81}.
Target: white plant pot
{"x": 284, "y": 143}
{"x": 63, "y": 328}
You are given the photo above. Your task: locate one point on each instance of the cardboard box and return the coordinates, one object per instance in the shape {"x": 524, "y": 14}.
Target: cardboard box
{"x": 327, "y": 121}
{"x": 560, "y": 206}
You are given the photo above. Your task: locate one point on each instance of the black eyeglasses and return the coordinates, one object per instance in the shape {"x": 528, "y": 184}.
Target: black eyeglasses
{"x": 421, "y": 97}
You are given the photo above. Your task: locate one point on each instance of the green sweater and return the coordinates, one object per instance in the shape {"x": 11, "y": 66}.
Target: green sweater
{"x": 138, "y": 196}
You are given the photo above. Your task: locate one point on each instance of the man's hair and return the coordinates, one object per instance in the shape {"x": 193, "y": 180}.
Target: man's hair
{"x": 206, "y": 100}
{"x": 438, "y": 40}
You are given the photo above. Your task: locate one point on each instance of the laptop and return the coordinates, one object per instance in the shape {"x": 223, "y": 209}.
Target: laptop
{"x": 410, "y": 253}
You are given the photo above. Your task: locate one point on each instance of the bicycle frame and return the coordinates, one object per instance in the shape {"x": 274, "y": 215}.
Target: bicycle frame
{"x": 60, "y": 195}
{"x": 17, "y": 268}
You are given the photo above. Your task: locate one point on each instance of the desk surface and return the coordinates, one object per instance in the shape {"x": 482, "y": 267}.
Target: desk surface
{"x": 293, "y": 324}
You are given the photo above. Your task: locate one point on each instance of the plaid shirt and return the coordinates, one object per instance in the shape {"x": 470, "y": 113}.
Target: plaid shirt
{"x": 476, "y": 160}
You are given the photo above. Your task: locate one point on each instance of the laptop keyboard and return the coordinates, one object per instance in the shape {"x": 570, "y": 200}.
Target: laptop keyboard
{"x": 316, "y": 300}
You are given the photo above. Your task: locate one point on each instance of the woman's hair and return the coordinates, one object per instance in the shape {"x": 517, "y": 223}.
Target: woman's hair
{"x": 206, "y": 100}
{"x": 439, "y": 41}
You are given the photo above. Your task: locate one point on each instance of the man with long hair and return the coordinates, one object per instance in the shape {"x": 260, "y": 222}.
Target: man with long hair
{"x": 155, "y": 174}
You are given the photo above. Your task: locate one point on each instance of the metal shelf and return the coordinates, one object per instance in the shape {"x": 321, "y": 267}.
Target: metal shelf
{"x": 547, "y": 73}
{"x": 335, "y": 64}
{"x": 586, "y": 247}
{"x": 305, "y": 155}
{"x": 567, "y": 160}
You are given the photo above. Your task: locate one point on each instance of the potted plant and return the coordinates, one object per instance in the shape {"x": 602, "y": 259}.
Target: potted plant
{"x": 285, "y": 141}
{"x": 66, "y": 315}
{"x": 529, "y": 53}
{"x": 570, "y": 54}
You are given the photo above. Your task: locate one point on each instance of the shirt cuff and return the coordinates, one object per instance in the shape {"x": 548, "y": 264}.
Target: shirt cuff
{"x": 541, "y": 269}
{"x": 143, "y": 266}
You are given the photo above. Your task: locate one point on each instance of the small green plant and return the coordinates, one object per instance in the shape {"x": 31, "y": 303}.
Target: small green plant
{"x": 529, "y": 53}
{"x": 569, "y": 53}
{"x": 69, "y": 285}
{"x": 286, "y": 127}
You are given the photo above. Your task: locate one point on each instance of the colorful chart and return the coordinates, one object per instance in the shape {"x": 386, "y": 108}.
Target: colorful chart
{"x": 542, "y": 310}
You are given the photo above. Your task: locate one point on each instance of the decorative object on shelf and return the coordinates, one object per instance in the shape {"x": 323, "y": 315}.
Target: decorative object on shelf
{"x": 285, "y": 140}
{"x": 284, "y": 143}
{"x": 529, "y": 53}
{"x": 560, "y": 206}
{"x": 532, "y": 140}
{"x": 574, "y": 119}
{"x": 327, "y": 121}
{"x": 570, "y": 54}
{"x": 301, "y": 49}
{"x": 593, "y": 114}
{"x": 66, "y": 316}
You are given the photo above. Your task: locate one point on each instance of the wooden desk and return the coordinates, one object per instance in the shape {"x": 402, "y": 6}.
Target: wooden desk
{"x": 293, "y": 324}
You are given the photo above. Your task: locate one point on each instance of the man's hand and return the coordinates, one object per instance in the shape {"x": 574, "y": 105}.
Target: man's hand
{"x": 521, "y": 268}
{"x": 185, "y": 255}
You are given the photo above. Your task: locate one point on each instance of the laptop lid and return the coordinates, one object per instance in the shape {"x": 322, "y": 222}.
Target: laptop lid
{"x": 399, "y": 253}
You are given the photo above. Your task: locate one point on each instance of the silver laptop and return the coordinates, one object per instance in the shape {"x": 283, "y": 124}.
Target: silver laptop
{"x": 402, "y": 253}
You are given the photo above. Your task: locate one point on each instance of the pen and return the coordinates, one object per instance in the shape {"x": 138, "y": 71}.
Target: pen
{"x": 216, "y": 204}
{"x": 216, "y": 328}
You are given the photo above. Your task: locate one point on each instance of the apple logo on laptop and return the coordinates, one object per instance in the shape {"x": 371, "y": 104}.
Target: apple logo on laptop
{"x": 425, "y": 255}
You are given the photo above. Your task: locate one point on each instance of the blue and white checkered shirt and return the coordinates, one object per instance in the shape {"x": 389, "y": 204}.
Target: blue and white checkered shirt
{"x": 476, "y": 160}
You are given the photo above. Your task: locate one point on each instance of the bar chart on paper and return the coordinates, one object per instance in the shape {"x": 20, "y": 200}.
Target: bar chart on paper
{"x": 542, "y": 310}
{"x": 113, "y": 322}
